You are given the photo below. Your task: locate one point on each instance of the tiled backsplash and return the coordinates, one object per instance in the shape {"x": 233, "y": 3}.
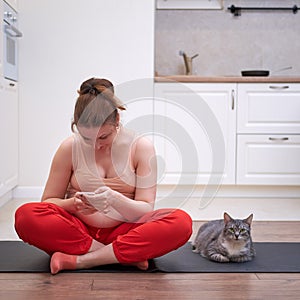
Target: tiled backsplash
{"x": 227, "y": 44}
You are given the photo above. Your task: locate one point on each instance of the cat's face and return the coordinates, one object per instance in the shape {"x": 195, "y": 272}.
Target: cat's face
{"x": 236, "y": 229}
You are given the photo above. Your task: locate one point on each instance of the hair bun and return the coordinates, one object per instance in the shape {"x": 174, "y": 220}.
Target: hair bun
{"x": 96, "y": 104}
{"x": 93, "y": 91}
{"x": 101, "y": 88}
{"x": 96, "y": 86}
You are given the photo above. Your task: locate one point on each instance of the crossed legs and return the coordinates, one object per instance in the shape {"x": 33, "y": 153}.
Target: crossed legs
{"x": 73, "y": 246}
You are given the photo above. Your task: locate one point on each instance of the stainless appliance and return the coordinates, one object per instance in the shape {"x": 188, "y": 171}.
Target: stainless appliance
{"x": 10, "y": 42}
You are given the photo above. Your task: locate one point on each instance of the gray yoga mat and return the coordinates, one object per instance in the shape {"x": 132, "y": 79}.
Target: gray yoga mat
{"x": 270, "y": 258}
{"x": 16, "y": 256}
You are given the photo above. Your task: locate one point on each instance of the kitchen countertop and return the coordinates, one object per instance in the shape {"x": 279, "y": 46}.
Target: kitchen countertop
{"x": 227, "y": 79}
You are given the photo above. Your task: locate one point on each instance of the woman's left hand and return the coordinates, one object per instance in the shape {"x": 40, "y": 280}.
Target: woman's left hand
{"x": 102, "y": 199}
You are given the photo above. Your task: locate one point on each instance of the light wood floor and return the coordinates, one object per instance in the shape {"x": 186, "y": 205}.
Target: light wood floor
{"x": 163, "y": 286}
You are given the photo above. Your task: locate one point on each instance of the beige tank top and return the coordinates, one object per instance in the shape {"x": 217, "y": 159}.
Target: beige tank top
{"x": 86, "y": 177}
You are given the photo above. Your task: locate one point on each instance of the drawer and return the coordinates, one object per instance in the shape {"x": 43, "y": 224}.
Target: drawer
{"x": 268, "y": 108}
{"x": 268, "y": 159}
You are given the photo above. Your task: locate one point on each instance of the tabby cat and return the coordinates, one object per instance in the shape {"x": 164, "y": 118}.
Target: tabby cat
{"x": 225, "y": 240}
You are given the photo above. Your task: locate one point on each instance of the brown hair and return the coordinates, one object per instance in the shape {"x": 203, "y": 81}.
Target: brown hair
{"x": 96, "y": 104}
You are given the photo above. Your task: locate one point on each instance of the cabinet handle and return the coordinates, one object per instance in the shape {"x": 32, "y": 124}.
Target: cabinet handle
{"x": 276, "y": 87}
{"x": 232, "y": 99}
{"x": 278, "y": 139}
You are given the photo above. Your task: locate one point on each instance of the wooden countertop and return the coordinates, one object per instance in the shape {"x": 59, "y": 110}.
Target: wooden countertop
{"x": 227, "y": 79}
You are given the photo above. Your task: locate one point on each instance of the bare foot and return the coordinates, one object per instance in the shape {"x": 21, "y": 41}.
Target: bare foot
{"x": 142, "y": 265}
{"x": 61, "y": 261}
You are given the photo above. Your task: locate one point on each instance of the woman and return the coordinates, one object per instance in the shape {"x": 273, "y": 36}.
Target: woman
{"x": 97, "y": 206}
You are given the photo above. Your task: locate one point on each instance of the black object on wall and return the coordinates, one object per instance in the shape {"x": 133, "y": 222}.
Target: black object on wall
{"x": 236, "y": 10}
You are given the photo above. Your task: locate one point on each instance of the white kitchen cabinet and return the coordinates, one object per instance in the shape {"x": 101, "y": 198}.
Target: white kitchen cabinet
{"x": 8, "y": 136}
{"x": 268, "y": 159}
{"x": 194, "y": 132}
{"x": 268, "y": 140}
{"x": 268, "y": 108}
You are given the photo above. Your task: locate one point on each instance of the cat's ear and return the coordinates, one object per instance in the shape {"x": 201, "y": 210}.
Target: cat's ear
{"x": 227, "y": 218}
{"x": 249, "y": 220}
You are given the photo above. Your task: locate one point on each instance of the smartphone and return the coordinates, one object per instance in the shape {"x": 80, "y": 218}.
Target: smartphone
{"x": 86, "y": 194}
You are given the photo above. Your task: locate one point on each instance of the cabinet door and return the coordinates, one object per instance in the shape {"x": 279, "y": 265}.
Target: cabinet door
{"x": 8, "y": 136}
{"x": 194, "y": 128}
{"x": 268, "y": 159}
{"x": 268, "y": 108}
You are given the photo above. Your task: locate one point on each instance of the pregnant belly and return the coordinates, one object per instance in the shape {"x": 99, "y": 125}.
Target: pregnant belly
{"x": 98, "y": 220}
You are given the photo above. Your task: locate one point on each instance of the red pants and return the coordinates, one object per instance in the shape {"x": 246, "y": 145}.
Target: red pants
{"x": 52, "y": 229}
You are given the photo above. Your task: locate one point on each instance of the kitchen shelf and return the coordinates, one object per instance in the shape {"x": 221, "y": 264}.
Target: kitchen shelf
{"x": 236, "y": 10}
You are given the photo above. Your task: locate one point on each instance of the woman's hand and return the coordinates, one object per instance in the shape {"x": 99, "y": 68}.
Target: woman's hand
{"x": 82, "y": 205}
{"x": 101, "y": 199}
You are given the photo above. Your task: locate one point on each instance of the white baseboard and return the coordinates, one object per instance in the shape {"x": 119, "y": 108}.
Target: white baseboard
{"x": 229, "y": 191}
{"x": 271, "y": 203}
{"x": 267, "y": 203}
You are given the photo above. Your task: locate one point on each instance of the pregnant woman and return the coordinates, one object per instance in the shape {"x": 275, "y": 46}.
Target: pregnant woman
{"x": 98, "y": 203}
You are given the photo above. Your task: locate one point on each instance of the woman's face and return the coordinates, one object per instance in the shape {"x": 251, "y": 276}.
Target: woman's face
{"x": 101, "y": 138}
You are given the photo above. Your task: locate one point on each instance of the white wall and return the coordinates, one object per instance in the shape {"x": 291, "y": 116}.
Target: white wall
{"x": 64, "y": 43}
